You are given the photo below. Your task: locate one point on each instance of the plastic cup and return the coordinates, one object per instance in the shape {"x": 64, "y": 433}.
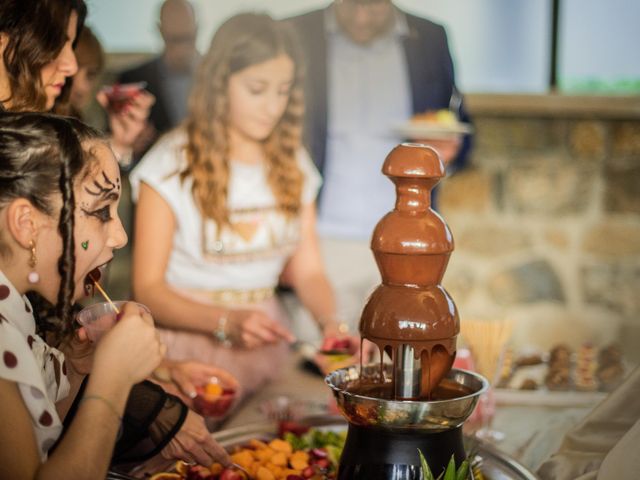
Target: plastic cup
{"x": 121, "y": 94}
{"x": 99, "y": 318}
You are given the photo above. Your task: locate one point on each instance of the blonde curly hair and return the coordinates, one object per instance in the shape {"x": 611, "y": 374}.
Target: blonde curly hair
{"x": 243, "y": 40}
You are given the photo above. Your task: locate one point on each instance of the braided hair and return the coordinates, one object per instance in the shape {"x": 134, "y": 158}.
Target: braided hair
{"x": 41, "y": 156}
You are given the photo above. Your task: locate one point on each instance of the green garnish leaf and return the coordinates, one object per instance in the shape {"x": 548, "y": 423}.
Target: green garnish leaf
{"x": 463, "y": 471}
{"x": 426, "y": 471}
{"x": 450, "y": 472}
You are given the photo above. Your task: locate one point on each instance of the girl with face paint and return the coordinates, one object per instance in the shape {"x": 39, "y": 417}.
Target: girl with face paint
{"x": 36, "y": 62}
{"x": 49, "y": 168}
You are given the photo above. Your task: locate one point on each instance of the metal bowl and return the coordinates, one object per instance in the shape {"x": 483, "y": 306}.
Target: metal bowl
{"x": 435, "y": 416}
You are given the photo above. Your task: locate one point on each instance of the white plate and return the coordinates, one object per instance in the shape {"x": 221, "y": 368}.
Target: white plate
{"x": 429, "y": 130}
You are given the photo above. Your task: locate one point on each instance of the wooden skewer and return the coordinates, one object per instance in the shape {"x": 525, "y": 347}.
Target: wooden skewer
{"x": 160, "y": 373}
{"x": 487, "y": 340}
{"x": 104, "y": 294}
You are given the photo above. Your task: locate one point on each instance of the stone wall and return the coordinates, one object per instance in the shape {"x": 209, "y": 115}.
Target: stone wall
{"x": 546, "y": 219}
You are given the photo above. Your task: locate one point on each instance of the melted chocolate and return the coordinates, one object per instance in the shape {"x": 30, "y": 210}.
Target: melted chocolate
{"x": 412, "y": 245}
{"x": 445, "y": 390}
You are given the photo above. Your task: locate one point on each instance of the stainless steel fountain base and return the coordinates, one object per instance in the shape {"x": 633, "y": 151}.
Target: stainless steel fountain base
{"x": 385, "y": 435}
{"x": 434, "y": 416}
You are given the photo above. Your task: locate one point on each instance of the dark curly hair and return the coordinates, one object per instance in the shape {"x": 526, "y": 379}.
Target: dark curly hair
{"x": 36, "y": 32}
{"x": 41, "y": 156}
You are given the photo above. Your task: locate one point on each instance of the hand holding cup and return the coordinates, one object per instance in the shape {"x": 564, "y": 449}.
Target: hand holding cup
{"x": 131, "y": 349}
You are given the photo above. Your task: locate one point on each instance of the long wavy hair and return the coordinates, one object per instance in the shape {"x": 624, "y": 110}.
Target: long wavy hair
{"x": 36, "y": 31}
{"x": 243, "y": 40}
{"x": 41, "y": 156}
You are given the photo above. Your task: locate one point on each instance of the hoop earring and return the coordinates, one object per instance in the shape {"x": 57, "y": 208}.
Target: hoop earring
{"x": 33, "y": 276}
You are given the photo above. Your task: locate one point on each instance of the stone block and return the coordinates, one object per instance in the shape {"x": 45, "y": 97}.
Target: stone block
{"x": 509, "y": 134}
{"x": 546, "y": 324}
{"x": 629, "y": 341}
{"x": 588, "y": 140}
{"x": 533, "y": 281}
{"x": 622, "y": 188}
{"x": 613, "y": 285}
{"x": 557, "y": 238}
{"x": 625, "y": 140}
{"x": 489, "y": 135}
{"x": 529, "y": 134}
{"x": 612, "y": 239}
{"x": 490, "y": 239}
{"x": 467, "y": 191}
{"x": 459, "y": 282}
{"x": 549, "y": 186}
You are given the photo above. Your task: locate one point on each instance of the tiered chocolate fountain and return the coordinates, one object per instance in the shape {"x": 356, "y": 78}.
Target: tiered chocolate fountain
{"x": 417, "y": 401}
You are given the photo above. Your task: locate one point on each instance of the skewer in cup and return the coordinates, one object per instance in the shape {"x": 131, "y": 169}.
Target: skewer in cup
{"x": 161, "y": 373}
{"x": 104, "y": 294}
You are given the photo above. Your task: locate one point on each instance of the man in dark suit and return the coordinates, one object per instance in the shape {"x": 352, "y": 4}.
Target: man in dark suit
{"x": 370, "y": 67}
{"x": 169, "y": 76}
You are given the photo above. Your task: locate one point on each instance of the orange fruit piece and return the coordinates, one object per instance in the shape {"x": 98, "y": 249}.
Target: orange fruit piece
{"x": 213, "y": 390}
{"x": 166, "y": 476}
{"x": 182, "y": 467}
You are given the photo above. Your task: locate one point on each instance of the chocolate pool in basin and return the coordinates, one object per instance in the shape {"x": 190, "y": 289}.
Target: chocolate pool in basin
{"x": 417, "y": 401}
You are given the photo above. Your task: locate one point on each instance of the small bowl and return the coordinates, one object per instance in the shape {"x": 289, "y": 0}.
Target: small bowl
{"x": 215, "y": 399}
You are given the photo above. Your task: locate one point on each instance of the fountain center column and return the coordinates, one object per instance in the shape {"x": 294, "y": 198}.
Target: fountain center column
{"x": 410, "y": 316}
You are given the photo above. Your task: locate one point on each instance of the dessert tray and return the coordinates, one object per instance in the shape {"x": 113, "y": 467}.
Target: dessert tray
{"x": 493, "y": 464}
{"x": 562, "y": 377}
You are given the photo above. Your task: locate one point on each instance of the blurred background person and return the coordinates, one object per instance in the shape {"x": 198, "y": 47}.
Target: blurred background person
{"x": 91, "y": 62}
{"x": 605, "y": 444}
{"x": 370, "y": 66}
{"x": 47, "y": 164}
{"x": 226, "y": 205}
{"x": 170, "y": 75}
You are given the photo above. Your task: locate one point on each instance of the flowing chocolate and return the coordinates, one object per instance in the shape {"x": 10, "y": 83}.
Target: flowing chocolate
{"x": 410, "y": 315}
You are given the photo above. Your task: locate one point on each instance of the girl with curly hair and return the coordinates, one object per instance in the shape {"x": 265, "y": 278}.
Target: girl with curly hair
{"x": 225, "y": 209}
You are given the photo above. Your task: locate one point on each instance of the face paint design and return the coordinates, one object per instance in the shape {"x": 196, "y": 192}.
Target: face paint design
{"x": 105, "y": 190}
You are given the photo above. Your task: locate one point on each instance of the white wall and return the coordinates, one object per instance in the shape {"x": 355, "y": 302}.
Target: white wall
{"x": 497, "y": 45}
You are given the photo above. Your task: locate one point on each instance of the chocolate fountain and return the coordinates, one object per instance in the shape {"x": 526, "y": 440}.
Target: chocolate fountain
{"x": 417, "y": 401}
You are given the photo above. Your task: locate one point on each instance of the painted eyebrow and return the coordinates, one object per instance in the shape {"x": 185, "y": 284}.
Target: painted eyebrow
{"x": 111, "y": 196}
{"x": 105, "y": 192}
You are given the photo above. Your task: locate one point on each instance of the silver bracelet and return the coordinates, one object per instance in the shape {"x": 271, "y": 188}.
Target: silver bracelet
{"x": 220, "y": 333}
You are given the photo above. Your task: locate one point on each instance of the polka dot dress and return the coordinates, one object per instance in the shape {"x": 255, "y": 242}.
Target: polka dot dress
{"x": 37, "y": 369}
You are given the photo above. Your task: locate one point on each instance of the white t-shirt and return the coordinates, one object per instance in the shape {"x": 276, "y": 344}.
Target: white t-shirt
{"x": 252, "y": 255}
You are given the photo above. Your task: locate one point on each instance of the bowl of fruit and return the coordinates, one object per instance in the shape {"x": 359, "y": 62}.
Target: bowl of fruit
{"x": 313, "y": 455}
{"x": 215, "y": 399}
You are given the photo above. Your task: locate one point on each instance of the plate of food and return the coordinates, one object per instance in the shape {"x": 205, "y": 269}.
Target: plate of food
{"x": 311, "y": 452}
{"x": 432, "y": 124}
